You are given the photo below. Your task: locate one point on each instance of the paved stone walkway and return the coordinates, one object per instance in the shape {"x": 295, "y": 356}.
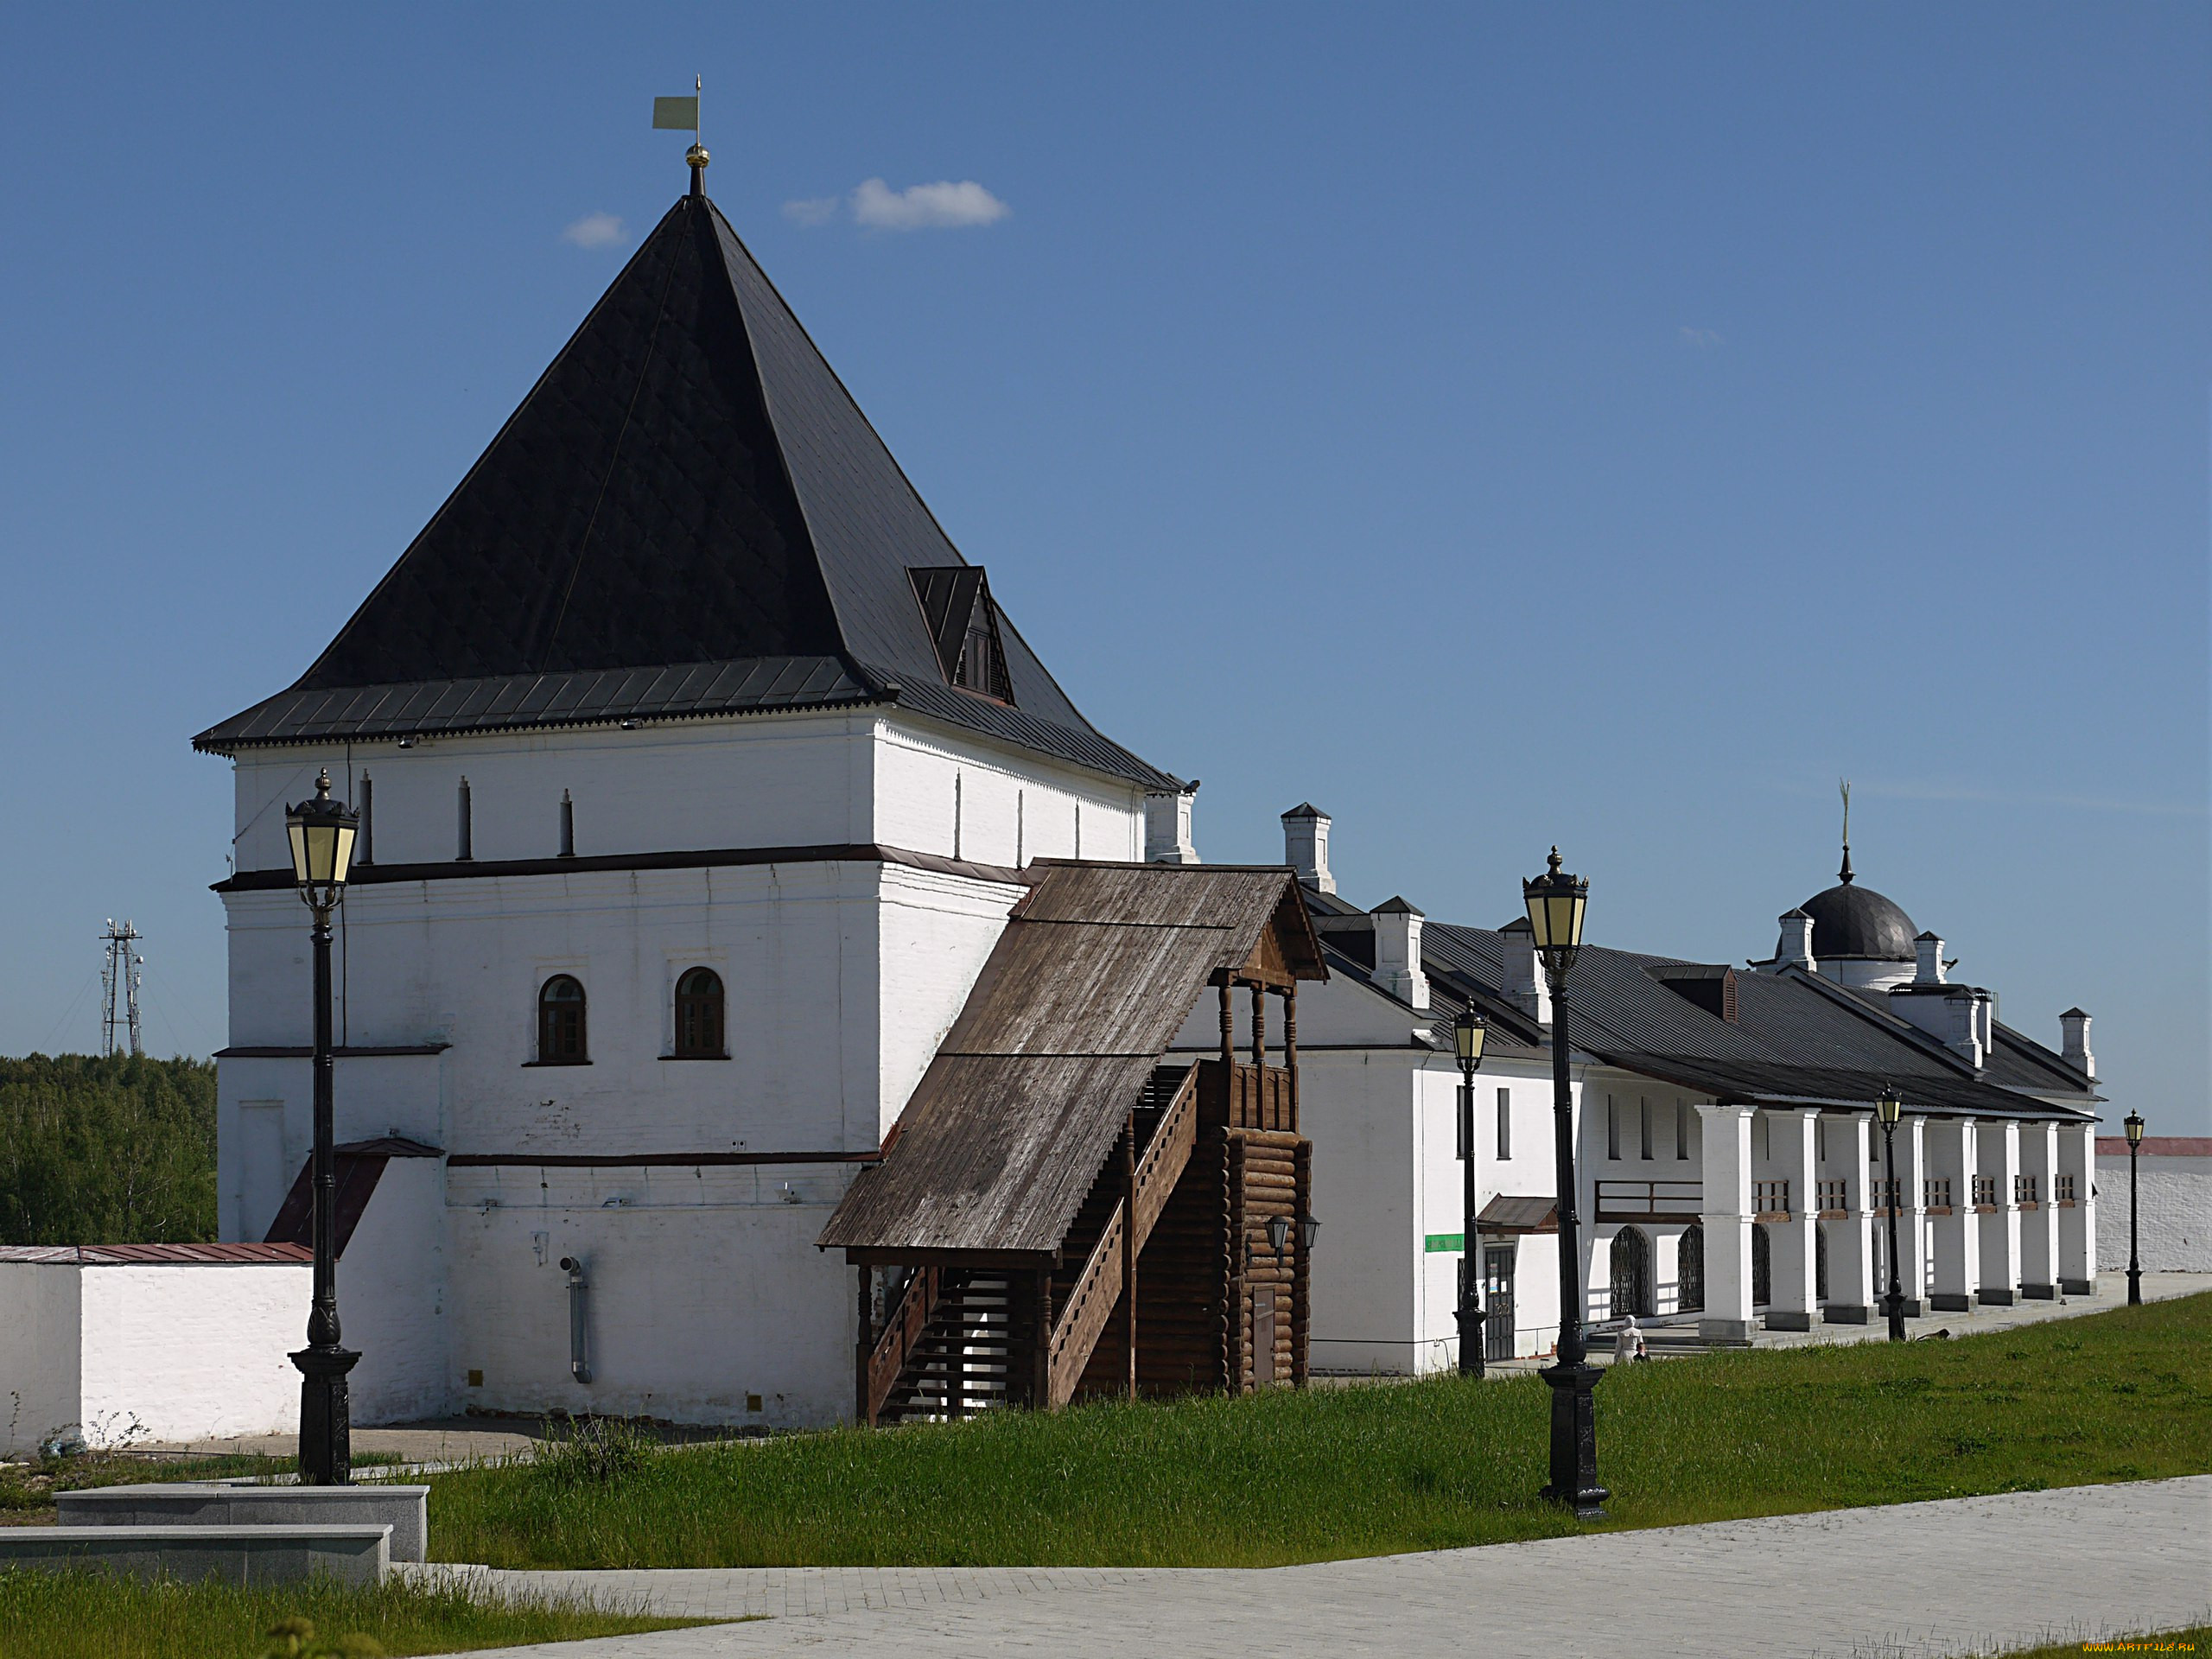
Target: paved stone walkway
{"x": 1966, "y": 1576}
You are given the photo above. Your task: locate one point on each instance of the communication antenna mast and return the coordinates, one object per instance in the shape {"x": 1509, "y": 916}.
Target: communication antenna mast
{"x": 120, "y": 987}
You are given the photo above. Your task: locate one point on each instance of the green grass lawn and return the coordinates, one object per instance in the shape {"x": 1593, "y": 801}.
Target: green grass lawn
{"x": 1334, "y": 1472}
{"x": 94, "y": 1616}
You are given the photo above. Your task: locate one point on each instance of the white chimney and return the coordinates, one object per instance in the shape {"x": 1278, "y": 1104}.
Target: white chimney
{"x": 1168, "y": 828}
{"x": 1306, "y": 846}
{"x": 1928, "y": 952}
{"x": 1397, "y": 952}
{"x": 2074, "y": 1042}
{"x": 1524, "y": 983}
{"x": 1795, "y": 947}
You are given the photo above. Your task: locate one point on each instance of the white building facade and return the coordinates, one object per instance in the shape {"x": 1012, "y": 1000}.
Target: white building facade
{"x": 698, "y": 775}
{"x": 1730, "y": 1171}
{"x": 647, "y": 958}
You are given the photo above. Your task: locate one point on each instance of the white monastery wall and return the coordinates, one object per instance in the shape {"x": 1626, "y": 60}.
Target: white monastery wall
{"x": 391, "y": 1296}
{"x": 40, "y": 1319}
{"x": 705, "y": 1290}
{"x": 937, "y": 932}
{"x": 2175, "y": 1219}
{"x": 190, "y": 1352}
{"x": 1358, "y": 1109}
{"x": 781, "y": 780}
{"x": 953, "y": 795}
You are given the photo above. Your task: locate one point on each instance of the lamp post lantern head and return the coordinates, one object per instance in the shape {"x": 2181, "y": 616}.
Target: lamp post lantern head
{"x": 1889, "y": 1108}
{"x": 2134, "y": 1125}
{"x": 321, "y": 832}
{"x": 1468, "y": 1031}
{"x": 1556, "y": 902}
{"x": 1307, "y": 1227}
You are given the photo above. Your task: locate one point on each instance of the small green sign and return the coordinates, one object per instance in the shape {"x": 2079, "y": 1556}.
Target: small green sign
{"x": 1453, "y": 1243}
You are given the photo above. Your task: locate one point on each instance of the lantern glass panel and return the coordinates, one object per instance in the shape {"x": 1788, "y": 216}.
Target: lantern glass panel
{"x": 1890, "y": 1108}
{"x": 1468, "y": 1033}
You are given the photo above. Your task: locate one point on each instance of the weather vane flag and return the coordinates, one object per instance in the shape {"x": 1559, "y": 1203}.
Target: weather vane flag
{"x": 677, "y": 113}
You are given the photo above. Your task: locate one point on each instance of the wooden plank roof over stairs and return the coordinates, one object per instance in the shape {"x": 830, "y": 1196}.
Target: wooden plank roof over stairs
{"x": 1096, "y": 971}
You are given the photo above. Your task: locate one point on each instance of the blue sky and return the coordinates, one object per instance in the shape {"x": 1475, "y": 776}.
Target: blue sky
{"x": 1497, "y": 425}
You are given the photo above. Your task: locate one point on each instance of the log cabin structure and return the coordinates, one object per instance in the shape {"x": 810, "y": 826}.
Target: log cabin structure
{"x": 1065, "y": 1212}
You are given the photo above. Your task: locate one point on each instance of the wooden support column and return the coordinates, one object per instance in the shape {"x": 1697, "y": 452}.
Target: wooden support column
{"x": 1040, "y": 1367}
{"x": 1259, "y": 1026}
{"x": 1290, "y": 1047}
{"x": 863, "y": 1351}
{"x": 1228, "y": 1033}
{"x": 1130, "y": 1246}
{"x": 1301, "y": 1287}
{"x": 1237, "y": 1346}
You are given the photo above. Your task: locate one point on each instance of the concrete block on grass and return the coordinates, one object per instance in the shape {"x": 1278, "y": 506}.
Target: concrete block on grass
{"x": 403, "y": 1509}
{"x": 251, "y": 1554}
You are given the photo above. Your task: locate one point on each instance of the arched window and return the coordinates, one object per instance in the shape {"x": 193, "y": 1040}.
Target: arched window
{"x": 1761, "y": 1266}
{"x": 1691, "y": 1273}
{"x": 1631, "y": 1265}
{"x": 699, "y": 1016}
{"x": 561, "y": 1022}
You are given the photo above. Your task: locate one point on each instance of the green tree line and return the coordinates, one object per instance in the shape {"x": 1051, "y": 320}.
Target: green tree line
{"x": 106, "y": 1150}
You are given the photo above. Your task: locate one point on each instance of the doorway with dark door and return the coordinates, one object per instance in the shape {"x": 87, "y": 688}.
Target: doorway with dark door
{"x": 1497, "y": 1302}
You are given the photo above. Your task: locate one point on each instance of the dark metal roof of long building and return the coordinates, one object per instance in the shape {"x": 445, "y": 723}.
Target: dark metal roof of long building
{"x": 1796, "y": 1038}
{"x": 687, "y": 516}
{"x": 1096, "y": 971}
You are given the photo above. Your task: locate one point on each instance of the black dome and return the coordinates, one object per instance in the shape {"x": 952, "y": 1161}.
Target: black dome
{"x": 1849, "y": 921}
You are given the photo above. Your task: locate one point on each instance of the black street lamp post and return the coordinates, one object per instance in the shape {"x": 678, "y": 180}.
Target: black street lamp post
{"x": 2135, "y": 1122}
{"x": 1889, "y": 1108}
{"x": 1467, "y": 1033}
{"x": 322, "y": 832}
{"x": 1556, "y": 903}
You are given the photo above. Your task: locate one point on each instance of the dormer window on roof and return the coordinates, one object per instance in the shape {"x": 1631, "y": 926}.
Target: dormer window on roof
{"x": 963, "y": 624}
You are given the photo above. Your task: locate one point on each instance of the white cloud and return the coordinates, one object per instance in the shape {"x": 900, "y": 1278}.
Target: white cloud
{"x": 815, "y": 210}
{"x": 594, "y": 231}
{"x": 942, "y": 205}
{"x": 1702, "y": 339}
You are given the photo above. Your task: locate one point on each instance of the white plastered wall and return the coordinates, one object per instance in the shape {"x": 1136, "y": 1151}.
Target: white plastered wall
{"x": 183, "y": 1351}
{"x": 41, "y": 1354}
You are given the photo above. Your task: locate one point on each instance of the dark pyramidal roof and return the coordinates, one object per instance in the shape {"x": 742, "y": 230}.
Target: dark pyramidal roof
{"x": 687, "y": 516}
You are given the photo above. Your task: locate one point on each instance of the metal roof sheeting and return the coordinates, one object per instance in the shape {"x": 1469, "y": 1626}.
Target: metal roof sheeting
{"x": 687, "y": 515}
{"x": 140, "y": 1255}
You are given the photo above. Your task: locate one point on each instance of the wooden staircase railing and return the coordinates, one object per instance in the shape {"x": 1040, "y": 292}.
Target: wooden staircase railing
{"x": 1098, "y": 1289}
{"x": 903, "y": 1326}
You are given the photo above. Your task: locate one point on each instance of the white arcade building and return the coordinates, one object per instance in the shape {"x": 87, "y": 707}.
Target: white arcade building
{"x": 698, "y": 777}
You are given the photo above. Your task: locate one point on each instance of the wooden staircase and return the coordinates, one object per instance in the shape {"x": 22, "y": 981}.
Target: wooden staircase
{"x": 959, "y": 1340}
{"x": 951, "y": 1346}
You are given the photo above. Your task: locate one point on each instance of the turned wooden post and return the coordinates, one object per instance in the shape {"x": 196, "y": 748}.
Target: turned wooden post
{"x": 863, "y": 1353}
{"x": 1228, "y": 1036}
{"x": 1129, "y": 1245}
{"x": 1259, "y": 1026}
{"x": 1290, "y": 1047}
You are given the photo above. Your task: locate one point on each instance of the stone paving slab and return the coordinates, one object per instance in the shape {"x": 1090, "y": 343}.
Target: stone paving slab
{"x": 1964, "y": 1575}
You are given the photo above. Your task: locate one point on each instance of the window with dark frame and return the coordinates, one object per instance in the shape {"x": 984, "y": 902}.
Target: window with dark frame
{"x": 1504, "y": 1123}
{"x": 561, "y": 1022}
{"x": 1682, "y": 1131}
{"x": 699, "y": 1016}
{"x": 1612, "y": 1128}
{"x": 1643, "y": 1127}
